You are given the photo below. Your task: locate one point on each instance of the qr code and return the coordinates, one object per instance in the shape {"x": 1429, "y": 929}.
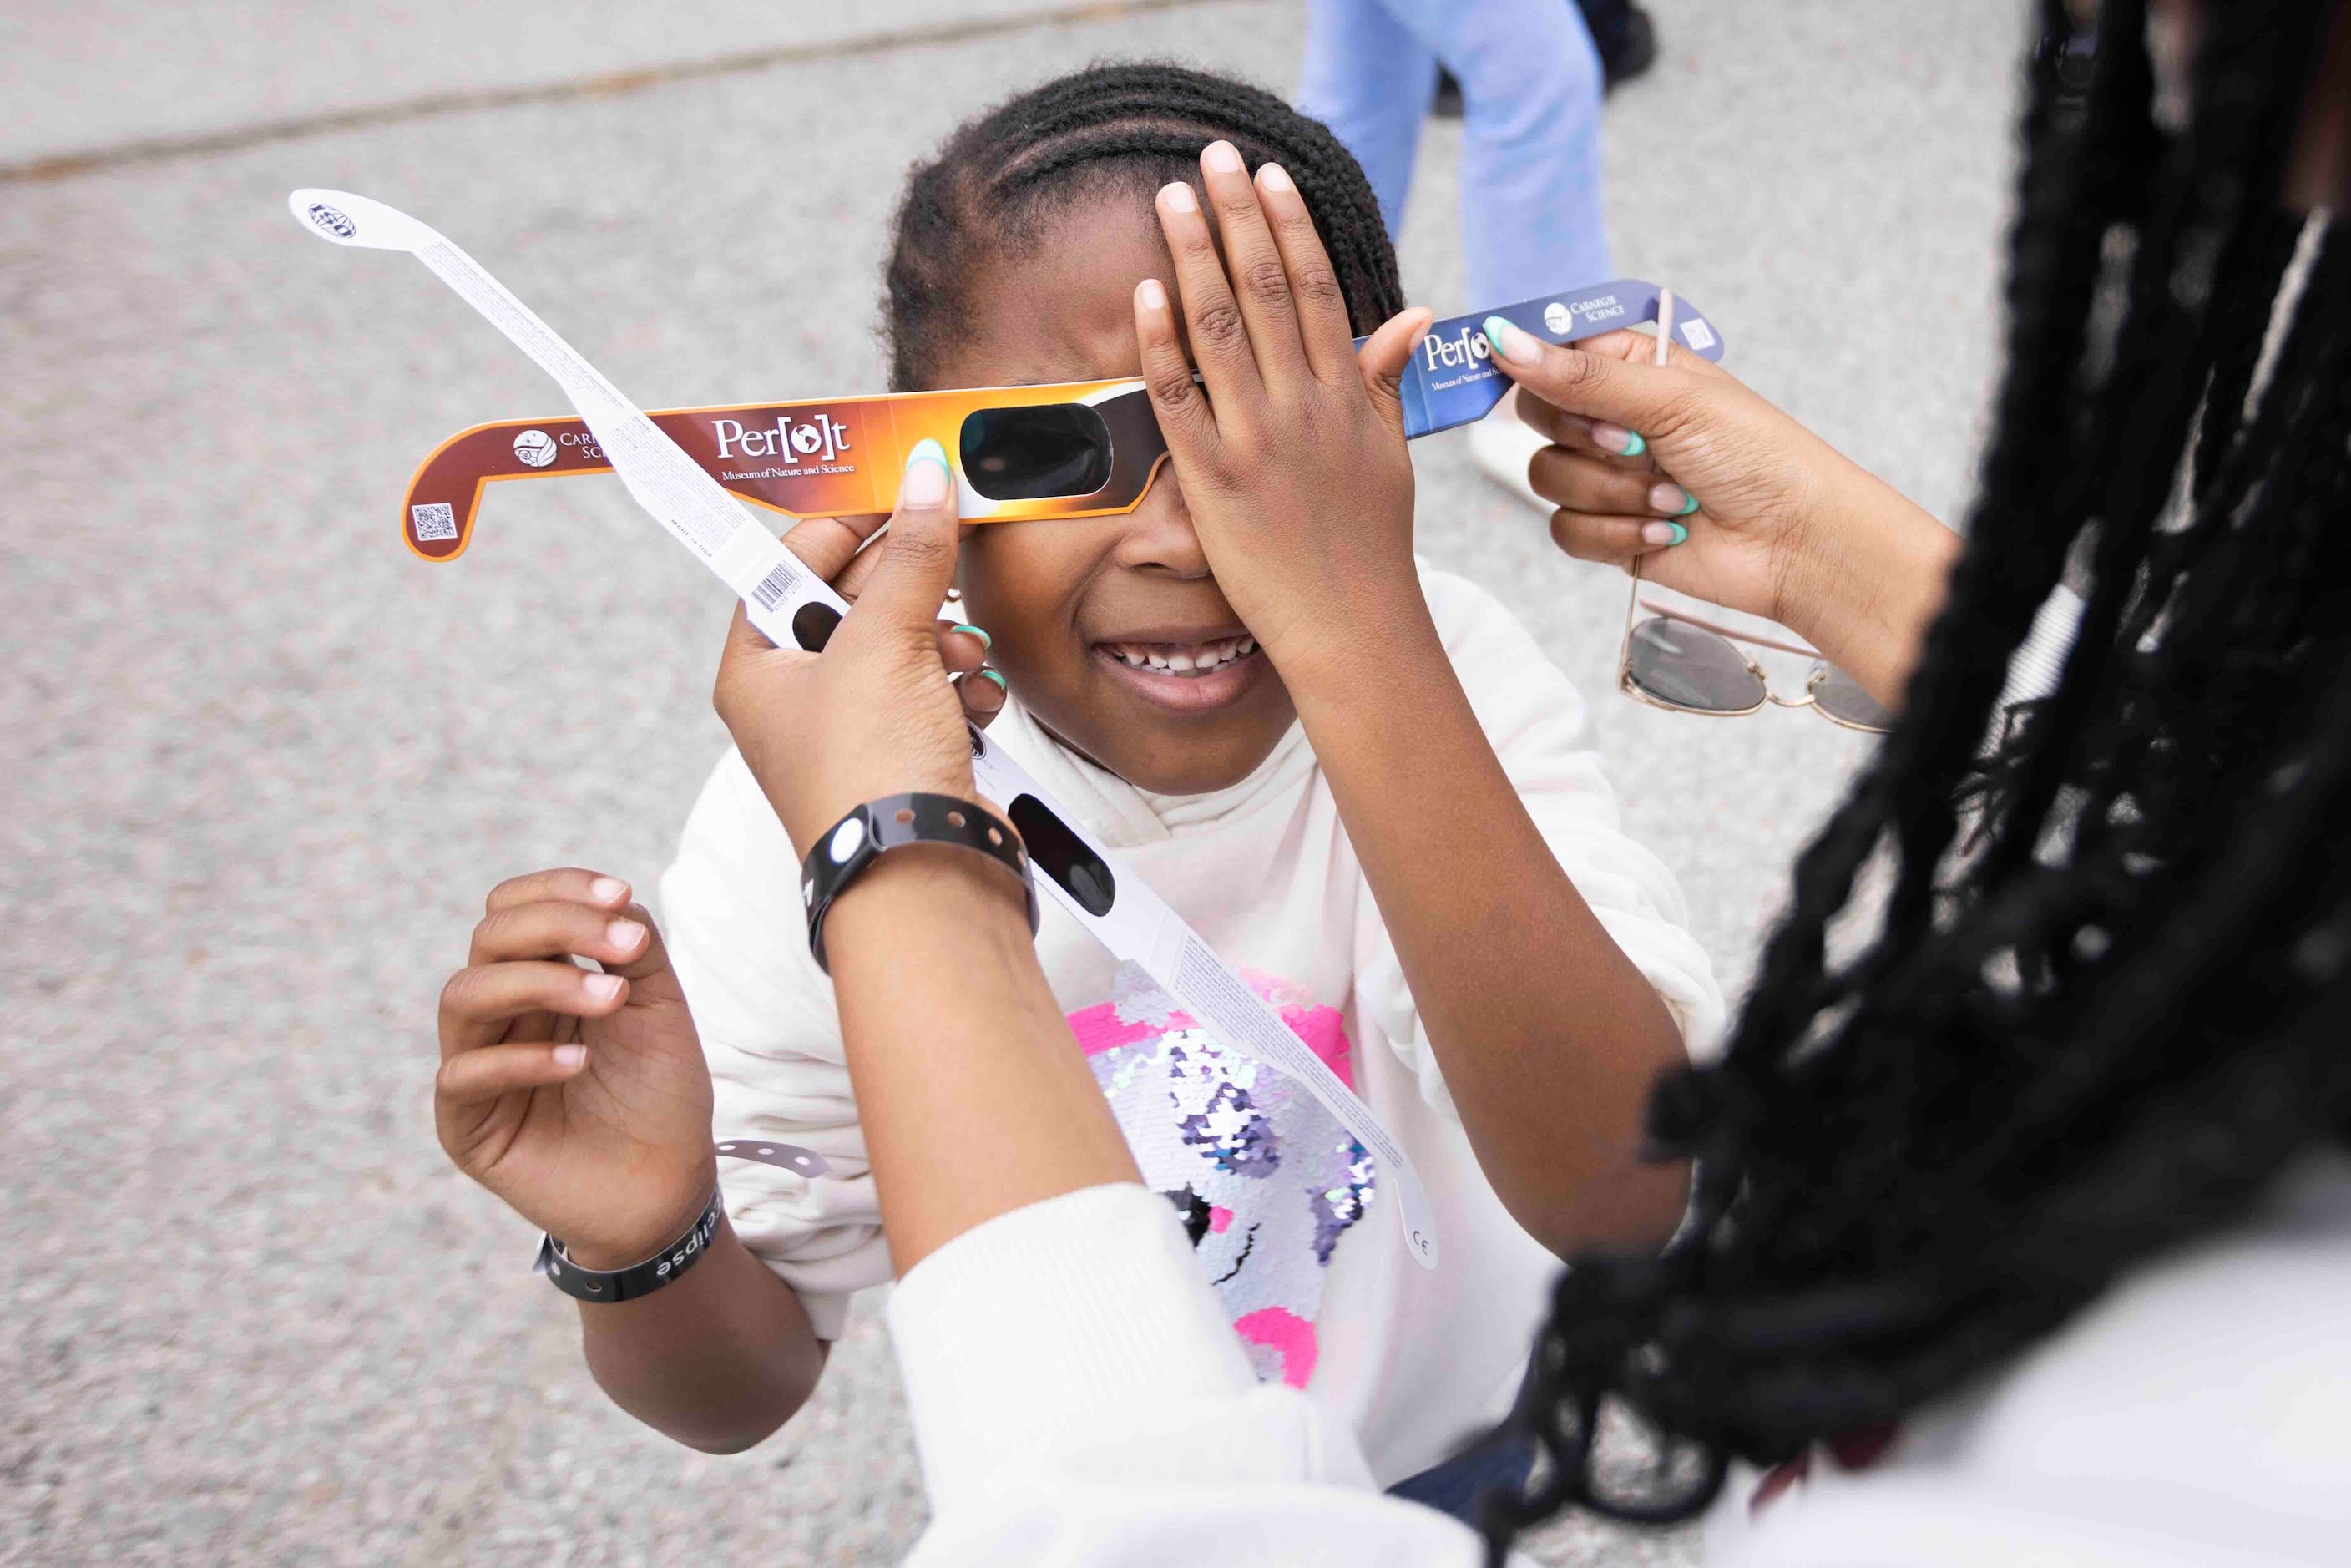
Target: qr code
{"x": 1698, "y": 335}
{"x": 434, "y": 521}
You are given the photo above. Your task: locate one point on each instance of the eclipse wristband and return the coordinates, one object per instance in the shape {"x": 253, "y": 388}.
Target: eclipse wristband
{"x": 637, "y": 1280}
{"x": 872, "y": 831}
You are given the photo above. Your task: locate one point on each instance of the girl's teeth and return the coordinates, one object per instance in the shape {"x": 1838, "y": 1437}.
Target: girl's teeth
{"x": 1206, "y": 657}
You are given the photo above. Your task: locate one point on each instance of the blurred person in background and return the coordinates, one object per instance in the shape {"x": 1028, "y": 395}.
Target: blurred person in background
{"x": 1530, "y": 79}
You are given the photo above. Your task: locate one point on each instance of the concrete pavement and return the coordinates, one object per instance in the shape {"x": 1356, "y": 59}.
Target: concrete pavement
{"x": 260, "y": 764}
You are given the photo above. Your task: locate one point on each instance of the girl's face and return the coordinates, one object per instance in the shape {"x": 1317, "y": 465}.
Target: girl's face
{"x": 1111, "y": 630}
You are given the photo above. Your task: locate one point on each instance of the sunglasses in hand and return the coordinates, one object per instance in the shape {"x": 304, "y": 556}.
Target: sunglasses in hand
{"x": 1679, "y": 663}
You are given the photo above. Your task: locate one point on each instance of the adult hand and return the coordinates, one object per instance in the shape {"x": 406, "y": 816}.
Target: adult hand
{"x": 581, "y": 1099}
{"x": 1293, "y": 463}
{"x": 873, "y": 713}
{"x": 1721, "y": 495}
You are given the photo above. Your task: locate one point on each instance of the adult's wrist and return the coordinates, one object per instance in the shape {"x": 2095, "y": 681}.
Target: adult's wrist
{"x": 1865, "y": 571}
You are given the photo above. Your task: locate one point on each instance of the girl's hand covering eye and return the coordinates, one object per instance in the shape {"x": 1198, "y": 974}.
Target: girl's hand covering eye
{"x": 1293, "y": 458}
{"x": 581, "y": 1099}
{"x": 873, "y": 713}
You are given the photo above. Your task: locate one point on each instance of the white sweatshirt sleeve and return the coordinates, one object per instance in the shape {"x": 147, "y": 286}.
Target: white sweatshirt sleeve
{"x": 731, "y": 917}
{"x": 1537, "y": 722}
{"x": 1078, "y": 1399}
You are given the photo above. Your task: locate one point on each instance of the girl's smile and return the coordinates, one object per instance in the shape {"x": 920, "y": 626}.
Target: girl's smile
{"x": 1186, "y": 673}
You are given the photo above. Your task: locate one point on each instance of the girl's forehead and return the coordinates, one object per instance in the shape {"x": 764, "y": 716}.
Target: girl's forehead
{"x": 1059, "y": 306}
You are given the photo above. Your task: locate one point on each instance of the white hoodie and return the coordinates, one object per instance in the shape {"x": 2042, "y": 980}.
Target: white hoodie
{"x": 1284, "y": 1211}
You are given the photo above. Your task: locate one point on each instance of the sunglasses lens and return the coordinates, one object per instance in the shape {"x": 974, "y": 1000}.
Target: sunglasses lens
{"x": 1032, "y": 454}
{"x": 1835, "y": 694}
{"x": 1690, "y": 668}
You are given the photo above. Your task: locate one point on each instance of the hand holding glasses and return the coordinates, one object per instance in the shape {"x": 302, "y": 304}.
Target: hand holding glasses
{"x": 1683, "y": 664}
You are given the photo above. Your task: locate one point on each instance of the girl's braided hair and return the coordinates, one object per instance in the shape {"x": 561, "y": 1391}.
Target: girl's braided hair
{"x": 1110, "y": 131}
{"x": 2098, "y": 1021}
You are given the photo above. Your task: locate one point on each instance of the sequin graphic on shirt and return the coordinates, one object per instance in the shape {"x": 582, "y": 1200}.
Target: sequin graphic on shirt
{"x": 1265, "y": 1179}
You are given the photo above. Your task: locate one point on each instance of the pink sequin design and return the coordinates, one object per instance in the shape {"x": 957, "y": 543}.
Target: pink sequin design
{"x": 1266, "y": 1180}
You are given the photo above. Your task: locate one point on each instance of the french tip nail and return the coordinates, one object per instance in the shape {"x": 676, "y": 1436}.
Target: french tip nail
{"x": 928, "y": 450}
{"x": 986, "y": 641}
{"x": 1634, "y": 443}
{"x": 1687, "y": 506}
{"x": 997, "y": 676}
{"x": 1680, "y": 533}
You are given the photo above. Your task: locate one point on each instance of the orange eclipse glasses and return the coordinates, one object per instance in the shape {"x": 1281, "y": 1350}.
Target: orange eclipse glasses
{"x": 1077, "y": 449}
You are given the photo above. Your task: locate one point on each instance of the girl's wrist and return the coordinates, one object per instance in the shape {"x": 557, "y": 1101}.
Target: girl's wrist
{"x": 624, "y": 1251}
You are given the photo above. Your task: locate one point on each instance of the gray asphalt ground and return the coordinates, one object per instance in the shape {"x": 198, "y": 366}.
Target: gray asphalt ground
{"x": 260, "y": 764}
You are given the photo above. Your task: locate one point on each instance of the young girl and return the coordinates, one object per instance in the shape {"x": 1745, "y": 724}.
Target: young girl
{"x": 1303, "y": 818}
{"x": 1143, "y": 702}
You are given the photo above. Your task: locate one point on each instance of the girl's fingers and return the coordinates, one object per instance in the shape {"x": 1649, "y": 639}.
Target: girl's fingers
{"x": 1259, "y": 273}
{"x": 481, "y": 998}
{"x": 625, "y": 942}
{"x": 982, "y": 693}
{"x": 1185, "y": 421}
{"x": 565, "y": 884}
{"x": 1584, "y": 483}
{"x": 1318, "y": 298}
{"x": 1615, "y": 542}
{"x": 472, "y": 1076}
{"x": 1212, "y": 317}
{"x": 1381, "y": 362}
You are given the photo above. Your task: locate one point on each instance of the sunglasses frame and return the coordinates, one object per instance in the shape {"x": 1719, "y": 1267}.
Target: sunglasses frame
{"x": 1629, "y": 684}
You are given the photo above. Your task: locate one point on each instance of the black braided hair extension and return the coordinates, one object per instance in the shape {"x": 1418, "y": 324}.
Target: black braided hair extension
{"x": 1110, "y": 130}
{"x": 2100, "y": 1024}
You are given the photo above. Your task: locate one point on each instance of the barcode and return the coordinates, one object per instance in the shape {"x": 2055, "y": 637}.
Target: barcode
{"x": 774, "y": 587}
{"x": 434, "y": 520}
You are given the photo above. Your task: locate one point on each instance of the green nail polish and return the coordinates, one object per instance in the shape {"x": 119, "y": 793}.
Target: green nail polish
{"x": 1688, "y": 508}
{"x": 986, "y": 642}
{"x": 1633, "y": 445}
{"x": 1680, "y": 533}
{"x": 1493, "y": 327}
{"x": 997, "y": 677}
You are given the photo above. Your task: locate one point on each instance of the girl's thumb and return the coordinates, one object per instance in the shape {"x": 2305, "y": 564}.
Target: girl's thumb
{"x": 918, "y": 553}
{"x": 1598, "y": 386}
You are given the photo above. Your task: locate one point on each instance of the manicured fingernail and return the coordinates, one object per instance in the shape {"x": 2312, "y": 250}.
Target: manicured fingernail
{"x": 997, "y": 676}
{"x": 1179, "y": 198}
{"x": 624, "y": 935}
{"x": 1662, "y": 533}
{"x": 1617, "y": 439}
{"x": 570, "y": 1057}
{"x": 603, "y": 988}
{"x": 1672, "y": 499}
{"x": 925, "y": 483}
{"x": 608, "y": 890}
{"x": 1518, "y": 348}
{"x": 1222, "y": 157}
{"x": 1275, "y": 178}
{"x": 1151, "y": 294}
{"x": 986, "y": 641}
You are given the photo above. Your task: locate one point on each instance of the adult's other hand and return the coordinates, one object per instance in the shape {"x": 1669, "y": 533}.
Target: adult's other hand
{"x": 1721, "y": 495}
{"x": 873, "y": 713}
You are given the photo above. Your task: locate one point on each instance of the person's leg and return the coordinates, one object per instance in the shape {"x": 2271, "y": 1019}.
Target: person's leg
{"x": 1530, "y": 79}
{"x": 1369, "y": 80}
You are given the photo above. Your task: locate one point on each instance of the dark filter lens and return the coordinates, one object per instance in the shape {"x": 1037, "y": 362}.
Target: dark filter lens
{"x": 1029, "y": 454}
{"x": 1837, "y": 695}
{"x": 1691, "y": 668}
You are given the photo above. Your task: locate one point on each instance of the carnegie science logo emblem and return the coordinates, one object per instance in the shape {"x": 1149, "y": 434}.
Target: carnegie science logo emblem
{"x": 535, "y": 448}
{"x": 332, "y": 220}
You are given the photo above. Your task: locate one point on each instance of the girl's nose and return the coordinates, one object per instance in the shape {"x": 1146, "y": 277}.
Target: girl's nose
{"x": 1159, "y": 536}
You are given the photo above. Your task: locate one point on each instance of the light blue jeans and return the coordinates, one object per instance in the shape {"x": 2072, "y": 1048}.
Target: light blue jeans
{"x": 1531, "y": 83}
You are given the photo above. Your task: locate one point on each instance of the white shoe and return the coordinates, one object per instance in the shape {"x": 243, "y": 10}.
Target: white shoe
{"x": 1502, "y": 447}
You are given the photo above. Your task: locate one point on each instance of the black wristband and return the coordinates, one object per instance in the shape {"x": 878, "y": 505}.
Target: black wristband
{"x": 638, "y": 1279}
{"x": 870, "y": 830}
